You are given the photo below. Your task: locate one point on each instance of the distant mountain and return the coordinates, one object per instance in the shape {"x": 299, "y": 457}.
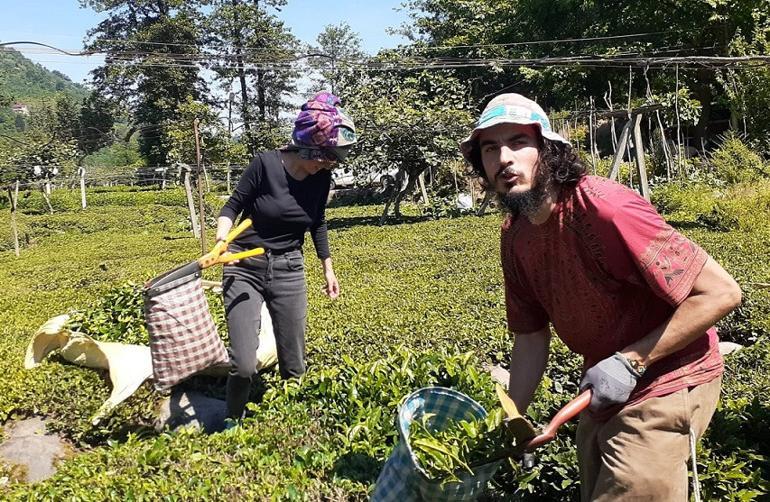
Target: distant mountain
{"x": 23, "y": 81}
{"x": 25, "y": 86}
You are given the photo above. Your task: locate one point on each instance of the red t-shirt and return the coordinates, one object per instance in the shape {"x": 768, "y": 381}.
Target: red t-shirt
{"x": 605, "y": 269}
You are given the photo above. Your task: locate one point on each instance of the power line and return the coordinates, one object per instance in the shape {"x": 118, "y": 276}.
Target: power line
{"x": 594, "y": 61}
{"x": 423, "y": 48}
{"x": 546, "y": 42}
{"x": 288, "y": 61}
{"x": 289, "y": 55}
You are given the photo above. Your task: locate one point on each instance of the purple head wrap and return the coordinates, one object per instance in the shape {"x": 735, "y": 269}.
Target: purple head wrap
{"x": 321, "y": 123}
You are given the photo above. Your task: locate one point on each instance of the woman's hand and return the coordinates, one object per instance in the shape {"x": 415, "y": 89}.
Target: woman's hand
{"x": 231, "y": 262}
{"x": 224, "y": 225}
{"x": 332, "y": 288}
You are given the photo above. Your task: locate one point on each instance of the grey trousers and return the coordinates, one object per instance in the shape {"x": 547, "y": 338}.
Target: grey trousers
{"x": 278, "y": 280}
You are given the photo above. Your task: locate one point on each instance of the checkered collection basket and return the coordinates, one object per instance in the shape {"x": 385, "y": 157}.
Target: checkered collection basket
{"x": 183, "y": 336}
{"x": 403, "y": 480}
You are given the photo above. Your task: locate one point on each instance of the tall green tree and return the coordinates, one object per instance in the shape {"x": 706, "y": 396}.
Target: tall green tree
{"x": 414, "y": 126}
{"x": 97, "y": 121}
{"x": 216, "y": 144}
{"x": 55, "y": 118}
{"x": 39, "y": 157}
{"x": 337, "y": 47}
{"x": 153, "y": 62}
{"x": 254, "y": 51}
{"x": 492, "y": 29}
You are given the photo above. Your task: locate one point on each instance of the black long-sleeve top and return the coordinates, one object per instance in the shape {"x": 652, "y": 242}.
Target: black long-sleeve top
{"x": 281, "y": 208}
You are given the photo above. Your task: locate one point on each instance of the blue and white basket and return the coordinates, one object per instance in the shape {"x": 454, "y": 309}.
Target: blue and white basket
{"x": 402, "y": 478}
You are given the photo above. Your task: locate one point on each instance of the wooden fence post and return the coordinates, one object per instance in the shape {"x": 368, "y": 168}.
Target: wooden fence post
{"x": 620, "y": 151}
{"x": 639, "y": 151}
{"x": 591, "y": 142}
{"x": 487, "y": 199}
{"x": 678, "y": 127}
{"x": 421, "y": 181}
{"x": 614, "y": 134}
{"x": 199, "y": 180}
{"x": 82, "y": 173}
{"x": 13, "y": 195}
{"x": 45, "y": 189}
{"x": 190, "y": 202}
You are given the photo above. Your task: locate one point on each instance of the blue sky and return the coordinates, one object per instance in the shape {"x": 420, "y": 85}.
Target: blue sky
{"x": 63, "y": 24}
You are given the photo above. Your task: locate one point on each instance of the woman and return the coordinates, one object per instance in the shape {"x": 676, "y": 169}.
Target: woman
{"x": 284, "y": 192}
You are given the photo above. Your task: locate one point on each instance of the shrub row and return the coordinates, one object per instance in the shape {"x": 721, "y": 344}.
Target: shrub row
{"x": 431, "y": 287}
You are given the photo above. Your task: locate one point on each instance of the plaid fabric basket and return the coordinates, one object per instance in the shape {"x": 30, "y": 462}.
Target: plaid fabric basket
{"x": 403, "y": 480}
{"x": 183, "y": 336}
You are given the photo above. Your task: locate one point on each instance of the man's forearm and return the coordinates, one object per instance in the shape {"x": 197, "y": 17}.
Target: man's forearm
{"x": 713, "y": 296}
{"x": 529, "y": 358}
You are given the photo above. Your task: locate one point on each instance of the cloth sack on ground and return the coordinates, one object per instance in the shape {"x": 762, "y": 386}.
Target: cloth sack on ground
{"x": 128, "y": 365}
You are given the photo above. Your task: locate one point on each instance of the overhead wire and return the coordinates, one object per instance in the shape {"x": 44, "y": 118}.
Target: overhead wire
{"x": 282, "y": 59}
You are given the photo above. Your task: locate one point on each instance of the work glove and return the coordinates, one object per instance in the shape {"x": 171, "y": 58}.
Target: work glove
{"x": 611, "y": 380}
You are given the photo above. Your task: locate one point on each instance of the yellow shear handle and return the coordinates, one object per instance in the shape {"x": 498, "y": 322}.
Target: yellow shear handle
{"x": 517, "y": 424}
{"x": 214, "y": 256}
{"x": 505, "y": 400}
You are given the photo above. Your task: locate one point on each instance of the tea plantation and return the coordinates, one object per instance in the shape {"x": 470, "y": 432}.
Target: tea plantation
{"x": 421, "y": 304}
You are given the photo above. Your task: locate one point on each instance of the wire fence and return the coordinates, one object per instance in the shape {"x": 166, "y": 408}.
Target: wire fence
{"x": 162, "y": 176}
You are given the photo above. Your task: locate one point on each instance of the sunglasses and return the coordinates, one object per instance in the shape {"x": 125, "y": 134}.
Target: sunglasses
{"x": 331, "y": 154}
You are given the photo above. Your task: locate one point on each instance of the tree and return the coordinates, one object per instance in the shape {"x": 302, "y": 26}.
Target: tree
{"x": 491, "y": 29}
{"x": 216, "y": 145}
{"x": 97, "y": 120}
{"x": 414, "y": 126}
{"x": 56, "y": 118}
{"x": 338, "y": 46}
{"x": 748, "y": 90}
{"x": 249, "y": 42}
{"x": 152, "y": 65}
{"x": 40, "y": 157}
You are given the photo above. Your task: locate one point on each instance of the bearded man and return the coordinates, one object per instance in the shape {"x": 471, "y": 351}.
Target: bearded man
{"x": 621, "y": 287}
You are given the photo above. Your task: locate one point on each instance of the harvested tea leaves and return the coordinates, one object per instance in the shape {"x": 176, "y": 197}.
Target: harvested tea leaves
{"x": 443, "y": 454}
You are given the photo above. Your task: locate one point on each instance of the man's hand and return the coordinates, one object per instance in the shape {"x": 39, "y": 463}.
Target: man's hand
{"x": 611, "y": 380}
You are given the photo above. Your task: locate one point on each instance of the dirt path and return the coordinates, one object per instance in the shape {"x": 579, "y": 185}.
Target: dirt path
{"x": 29, "y": 446}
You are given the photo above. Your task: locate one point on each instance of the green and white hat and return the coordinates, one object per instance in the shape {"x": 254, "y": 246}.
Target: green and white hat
{"x": 510, "y": 109}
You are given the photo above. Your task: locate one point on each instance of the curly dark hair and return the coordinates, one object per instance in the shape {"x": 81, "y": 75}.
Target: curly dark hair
{"x": 560, "y": 160}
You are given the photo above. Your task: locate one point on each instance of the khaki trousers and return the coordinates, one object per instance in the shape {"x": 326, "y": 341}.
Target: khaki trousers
{"x": 641, "y": 453}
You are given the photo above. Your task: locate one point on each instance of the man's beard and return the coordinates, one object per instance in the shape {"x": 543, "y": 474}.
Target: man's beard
{"x": 527, "y": 203}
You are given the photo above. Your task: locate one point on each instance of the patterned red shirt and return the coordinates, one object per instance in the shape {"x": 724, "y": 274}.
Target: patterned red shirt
{"x": 605, "y": 269}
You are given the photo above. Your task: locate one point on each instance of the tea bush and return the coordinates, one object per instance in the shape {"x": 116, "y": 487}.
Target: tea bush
{"x": 421, "y": 304}
{"x": 735, "y": 161}
{"x": 734, "y": 460}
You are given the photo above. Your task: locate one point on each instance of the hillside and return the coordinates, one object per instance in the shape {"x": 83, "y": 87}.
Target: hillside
{"x": 23, "y": 80}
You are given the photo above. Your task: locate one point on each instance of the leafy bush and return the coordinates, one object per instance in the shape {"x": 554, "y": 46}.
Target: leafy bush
{"x": 603, "y": 166}
{"x": 735, "y": 456}
{"x": 431, "y": 287}
{"x": 740, "y": 206}
{"x": 736, "y": 162}
{"x": 458, "y": 447}
{"x": 116, "y": 317}
{"x": 683, "y": 201}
